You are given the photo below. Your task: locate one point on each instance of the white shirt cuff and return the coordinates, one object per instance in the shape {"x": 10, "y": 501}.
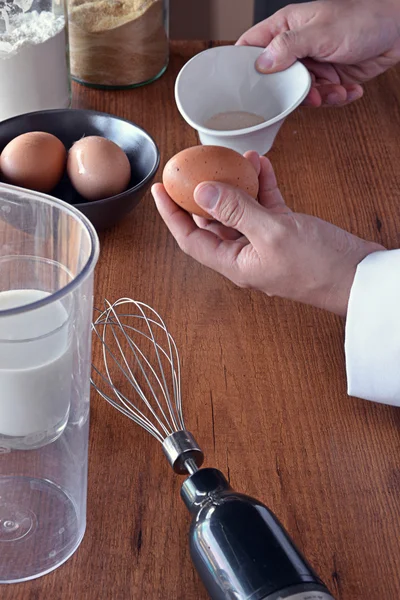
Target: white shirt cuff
{"x": 372, "y": 343}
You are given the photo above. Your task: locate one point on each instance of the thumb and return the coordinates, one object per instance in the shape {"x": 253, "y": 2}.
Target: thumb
{"x": 285, "y": 49}
{"x": 231, "y": 206}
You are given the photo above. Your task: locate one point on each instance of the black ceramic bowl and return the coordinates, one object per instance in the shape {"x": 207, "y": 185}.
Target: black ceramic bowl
{"x": 69, "y": 125}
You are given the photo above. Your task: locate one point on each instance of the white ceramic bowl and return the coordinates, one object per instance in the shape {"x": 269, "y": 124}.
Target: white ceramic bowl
{"x": 225, "y": 79}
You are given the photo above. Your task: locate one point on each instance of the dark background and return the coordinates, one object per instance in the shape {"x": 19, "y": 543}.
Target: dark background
{"x": 194, "y": 20}
{"x": 265, "y": 8}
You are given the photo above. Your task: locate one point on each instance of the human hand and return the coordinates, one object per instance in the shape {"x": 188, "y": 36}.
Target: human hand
{"x": 343, "y": 43}
{"x": 264, "y": 245}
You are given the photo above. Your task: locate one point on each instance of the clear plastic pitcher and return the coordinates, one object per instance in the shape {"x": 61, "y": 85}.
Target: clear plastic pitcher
{"x": 48, "y": 252}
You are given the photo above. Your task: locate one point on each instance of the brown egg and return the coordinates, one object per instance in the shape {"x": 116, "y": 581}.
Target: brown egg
{"x": 34, "y": 160}
{"x": 184, "y": 171}
{"x": 98, "y": 168}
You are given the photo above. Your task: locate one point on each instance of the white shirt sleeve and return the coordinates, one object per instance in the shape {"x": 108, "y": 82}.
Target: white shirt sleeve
{"x": 372, "y": 343}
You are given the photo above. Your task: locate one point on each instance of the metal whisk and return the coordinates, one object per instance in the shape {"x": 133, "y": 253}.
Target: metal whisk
{"x": 121, "y": 332}
{"x": 238, "y": 546}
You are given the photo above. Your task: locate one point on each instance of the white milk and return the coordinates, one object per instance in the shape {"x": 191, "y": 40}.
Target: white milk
{"x": 35, "y": 365}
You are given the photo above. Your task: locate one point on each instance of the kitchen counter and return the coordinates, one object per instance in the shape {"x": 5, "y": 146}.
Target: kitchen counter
{"x": 263, "y": 379}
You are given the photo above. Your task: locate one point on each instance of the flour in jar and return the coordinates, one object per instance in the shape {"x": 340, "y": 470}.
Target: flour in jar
{"x": 33, "y": 60}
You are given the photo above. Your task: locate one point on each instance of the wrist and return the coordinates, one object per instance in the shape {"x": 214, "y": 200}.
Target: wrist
{"x": 336, "y": 299}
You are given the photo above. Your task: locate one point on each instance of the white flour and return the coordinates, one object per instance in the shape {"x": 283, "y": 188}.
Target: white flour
{"x": 33, "y": 63}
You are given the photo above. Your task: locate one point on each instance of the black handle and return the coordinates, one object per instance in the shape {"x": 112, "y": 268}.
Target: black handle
{"x": 240, "y": 549}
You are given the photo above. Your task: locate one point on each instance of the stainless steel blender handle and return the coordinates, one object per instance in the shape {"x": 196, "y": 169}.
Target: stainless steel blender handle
{"x": 303, "y": 595}
{"x": 240, "y": 549}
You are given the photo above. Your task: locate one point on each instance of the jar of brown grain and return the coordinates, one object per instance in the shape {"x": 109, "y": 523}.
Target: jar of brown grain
{"x": 118, "y": 43}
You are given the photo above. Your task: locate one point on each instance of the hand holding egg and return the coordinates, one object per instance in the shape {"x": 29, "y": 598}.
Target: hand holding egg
{"x": 261, "y": 244}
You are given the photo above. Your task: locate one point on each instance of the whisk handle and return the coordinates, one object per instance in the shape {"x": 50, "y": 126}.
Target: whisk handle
{"x": 240, "y": 549}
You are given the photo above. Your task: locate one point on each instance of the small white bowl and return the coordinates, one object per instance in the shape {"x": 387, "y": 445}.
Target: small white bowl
{"x": 225, "y": 79}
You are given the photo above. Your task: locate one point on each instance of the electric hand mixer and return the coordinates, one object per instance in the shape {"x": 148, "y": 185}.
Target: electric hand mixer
{"x": 238, "y": 546}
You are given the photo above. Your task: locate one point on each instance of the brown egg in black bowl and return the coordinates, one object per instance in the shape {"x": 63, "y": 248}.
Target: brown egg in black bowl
{"x": 72, "y": 125}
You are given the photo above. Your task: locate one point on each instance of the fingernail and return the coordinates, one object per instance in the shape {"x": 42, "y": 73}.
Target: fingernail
{"x": 353, "y": 95}
{"x": 334, "y": 98}
{"x": 207, "y": 196}
{"x": 307, "y": 102}
{"x": 265, "y": 61}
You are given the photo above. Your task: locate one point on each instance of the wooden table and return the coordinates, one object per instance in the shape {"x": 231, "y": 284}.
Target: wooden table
{"x": 264, "y": 383}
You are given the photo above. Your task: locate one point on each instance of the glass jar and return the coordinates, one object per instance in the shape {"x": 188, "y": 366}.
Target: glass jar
{"x": 34, "y": 66}
{"x": 118, "y": 43}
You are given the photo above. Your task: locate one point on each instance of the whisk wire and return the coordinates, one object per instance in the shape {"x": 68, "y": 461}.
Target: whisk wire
{"x": 139, "y": 418}
{"x": 156, "y": 347}
{"x": 174, "y": 374}
{"x": 114, "y": 323}
{"x": 133, "y": 381}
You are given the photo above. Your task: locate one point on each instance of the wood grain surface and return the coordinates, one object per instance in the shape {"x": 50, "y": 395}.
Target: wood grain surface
{"x": 263, "y": 380}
